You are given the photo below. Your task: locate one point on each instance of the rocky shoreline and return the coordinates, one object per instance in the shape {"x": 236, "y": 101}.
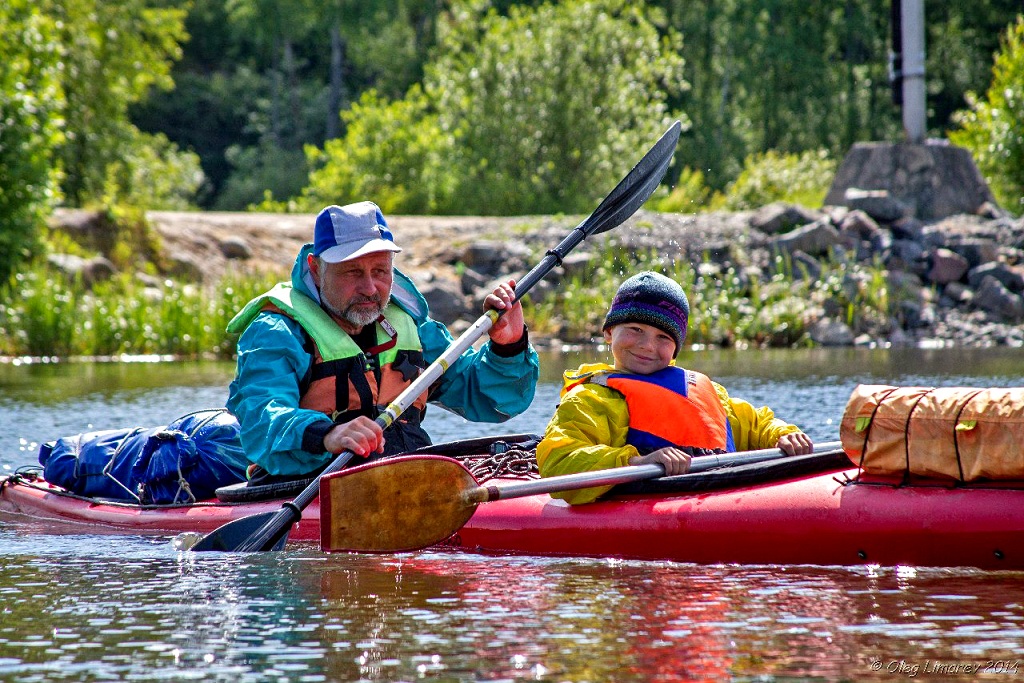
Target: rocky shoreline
{"x": 960, "y": 278}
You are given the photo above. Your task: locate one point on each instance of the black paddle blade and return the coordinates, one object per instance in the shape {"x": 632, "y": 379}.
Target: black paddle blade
{"x": 636, "y": 187}
{"x": 248, "y": 534}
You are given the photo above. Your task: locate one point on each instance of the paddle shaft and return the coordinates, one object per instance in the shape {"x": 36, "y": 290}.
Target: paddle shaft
{"x": 623, "y": 475}
{"x": 626, "y": 197}
{"x": 622, "y": 202}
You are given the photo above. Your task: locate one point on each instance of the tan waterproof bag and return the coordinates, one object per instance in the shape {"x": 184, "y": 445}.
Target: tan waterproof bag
{"x": 959, "y": 433}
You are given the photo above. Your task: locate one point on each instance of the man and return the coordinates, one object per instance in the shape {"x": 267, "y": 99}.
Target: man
{"x": 320, "y": 356}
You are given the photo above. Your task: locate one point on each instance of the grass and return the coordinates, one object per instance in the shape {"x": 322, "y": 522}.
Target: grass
{"x": 52, "y": 316}
{"x": 727, "y": 307}
{"x": 47, "y": 316}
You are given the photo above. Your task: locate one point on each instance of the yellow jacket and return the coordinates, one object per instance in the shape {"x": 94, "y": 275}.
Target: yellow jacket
{"x": 588, "y": 430}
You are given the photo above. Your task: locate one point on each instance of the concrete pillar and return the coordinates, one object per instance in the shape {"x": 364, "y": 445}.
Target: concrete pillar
{"x": 914, "y": 112}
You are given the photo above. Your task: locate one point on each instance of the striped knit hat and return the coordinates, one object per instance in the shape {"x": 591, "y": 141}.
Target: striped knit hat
{"x": 652, "y": 299}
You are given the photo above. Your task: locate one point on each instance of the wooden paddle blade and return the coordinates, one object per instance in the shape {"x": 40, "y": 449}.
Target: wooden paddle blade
{"x": 395, "y": 505}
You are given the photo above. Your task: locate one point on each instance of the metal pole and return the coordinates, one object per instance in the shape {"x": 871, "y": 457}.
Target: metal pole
{"x": 914, "y": 113}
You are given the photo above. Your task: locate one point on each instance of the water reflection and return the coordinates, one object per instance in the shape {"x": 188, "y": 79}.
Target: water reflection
{"x": 128, "y": 607}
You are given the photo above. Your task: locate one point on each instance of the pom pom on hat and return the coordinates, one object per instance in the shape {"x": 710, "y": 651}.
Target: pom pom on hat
{"x": 652, "y": 299}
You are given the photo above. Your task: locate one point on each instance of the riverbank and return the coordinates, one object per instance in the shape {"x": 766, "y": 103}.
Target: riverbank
{"x": 958, "y": 281}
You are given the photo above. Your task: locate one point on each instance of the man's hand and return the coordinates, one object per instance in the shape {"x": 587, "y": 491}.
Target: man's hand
{"x": 796, "y": 443}
{"x": 362, "y": 436}
{"x": 674, "y": 460}
{"x": 509, "y": 328}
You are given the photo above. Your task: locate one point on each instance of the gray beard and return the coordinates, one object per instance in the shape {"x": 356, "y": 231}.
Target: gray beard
{"x": 356, "y": 317}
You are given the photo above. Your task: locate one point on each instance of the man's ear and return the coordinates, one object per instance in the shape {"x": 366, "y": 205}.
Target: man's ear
{"x": 314, "y": 268}
{"x": 608, "y": 335}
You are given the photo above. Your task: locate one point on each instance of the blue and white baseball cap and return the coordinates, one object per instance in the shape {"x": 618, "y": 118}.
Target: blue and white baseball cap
{"x": 346, "y": 232}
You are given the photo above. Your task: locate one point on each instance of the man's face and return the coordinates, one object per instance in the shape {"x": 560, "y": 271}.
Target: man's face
{"x": 354, "y": 292}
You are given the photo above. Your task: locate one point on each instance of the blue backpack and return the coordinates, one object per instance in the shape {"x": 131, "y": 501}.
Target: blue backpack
{"x": 182, "y": 462}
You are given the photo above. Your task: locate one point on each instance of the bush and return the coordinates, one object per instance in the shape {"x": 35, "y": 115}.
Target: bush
{"x": 393, "y": 153}
{"x": 993, "y": 128}
{"x": 772, "y": 176}
{"x": 548, "y": 102}
{"x": 690, "y": 194}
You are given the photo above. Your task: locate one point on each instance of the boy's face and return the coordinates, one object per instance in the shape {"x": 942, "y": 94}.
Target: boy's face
{"x": 640, "y": 348}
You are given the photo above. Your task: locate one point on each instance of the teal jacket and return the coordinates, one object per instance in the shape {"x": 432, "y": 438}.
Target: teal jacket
{"x": 284, "y": 439}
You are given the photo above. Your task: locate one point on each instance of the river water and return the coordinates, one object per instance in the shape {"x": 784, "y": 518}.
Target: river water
{"x": 95, "y": 607}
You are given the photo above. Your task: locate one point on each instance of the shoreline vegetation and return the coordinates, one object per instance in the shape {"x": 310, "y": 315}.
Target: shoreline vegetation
{"x": 155, "y": 293}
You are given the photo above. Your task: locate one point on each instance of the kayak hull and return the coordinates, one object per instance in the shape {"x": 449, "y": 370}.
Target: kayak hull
{"x": 812, "y": 520}
{"x": 44, "y": 505}
{"x": 806, "y": 520}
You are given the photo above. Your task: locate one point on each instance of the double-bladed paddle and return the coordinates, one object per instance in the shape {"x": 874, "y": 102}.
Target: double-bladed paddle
{"x": 269, "y": 530}
{"x": 412, "y": 502}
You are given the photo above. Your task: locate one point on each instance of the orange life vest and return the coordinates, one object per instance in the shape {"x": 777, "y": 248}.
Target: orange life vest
{"x": 364, "y": 382}
{"x": 672, "y": 407}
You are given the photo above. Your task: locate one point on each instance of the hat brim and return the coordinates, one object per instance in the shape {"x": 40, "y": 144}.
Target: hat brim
{"x": 343, "y": 252}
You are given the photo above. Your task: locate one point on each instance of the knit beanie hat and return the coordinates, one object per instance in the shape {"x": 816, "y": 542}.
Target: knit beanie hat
{"x": 652, "y": 299}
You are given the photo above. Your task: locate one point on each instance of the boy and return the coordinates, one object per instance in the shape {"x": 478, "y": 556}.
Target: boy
{"x": 645, "y": 409}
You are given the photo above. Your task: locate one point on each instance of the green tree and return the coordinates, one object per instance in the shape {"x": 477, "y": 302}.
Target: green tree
{"x": 394, "y": 153}
{"x": 30, "y": 101}
{"x": 112, "y": 54}
{"x": 532, "y": 112}
{"x": 545, "y": 104}
{"x": 993, "y": 127}
{"x": 782, "y": 75}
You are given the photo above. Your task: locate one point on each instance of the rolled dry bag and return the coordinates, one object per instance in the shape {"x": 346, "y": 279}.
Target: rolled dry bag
{"x": 959, "y": 433}
{"x": 184, "y": 461}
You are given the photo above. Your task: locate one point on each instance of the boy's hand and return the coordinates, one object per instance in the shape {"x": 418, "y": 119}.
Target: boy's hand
{"x": 796, "y": 443}
{"x": 674, "y": 460}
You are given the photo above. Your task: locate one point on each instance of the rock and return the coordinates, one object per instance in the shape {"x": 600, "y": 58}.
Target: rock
{"x": 779, "y": 217}
{"x": 91, "y": 270}
{"x": 877, "y": 204}
{"x": 471, "y": 281}
{"x": 946, "y": 266}
{"x": 185, "y": 266}
{"x": 931, "y": 180}
{"x": 446, "y": 301}
{"x": 492, "y": 258}
{"x": 994, "y": 297}
{"x": 829, "y": 332}
{"x": 1008, "y": 276}
{"x": 815, "y": 239}
{"x": 96, "y": 270}
{"x": 235, "y": 248}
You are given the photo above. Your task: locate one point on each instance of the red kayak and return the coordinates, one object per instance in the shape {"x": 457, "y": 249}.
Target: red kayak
{"x": 823, "y": 518}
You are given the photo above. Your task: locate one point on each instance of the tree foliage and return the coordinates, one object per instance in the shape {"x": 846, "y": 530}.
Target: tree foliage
{"x": 772, "y": 176}
{"x": 522, "y": 145}
{"x": 30, "y": 101}
{"x": 993, "y": 127}
{"x": 494, "y": 132}
{"x": 394, "y": 153}
{"x": 112, "y": 54}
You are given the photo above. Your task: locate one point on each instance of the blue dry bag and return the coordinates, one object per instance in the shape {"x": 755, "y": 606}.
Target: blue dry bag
{"x": 183, "y": 462}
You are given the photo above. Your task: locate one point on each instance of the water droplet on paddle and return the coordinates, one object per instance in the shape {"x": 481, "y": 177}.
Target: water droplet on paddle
{"x": 186, "y": 540}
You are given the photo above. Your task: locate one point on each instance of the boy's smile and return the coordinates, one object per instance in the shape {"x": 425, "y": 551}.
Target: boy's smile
{"x": 640, "y": 348}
